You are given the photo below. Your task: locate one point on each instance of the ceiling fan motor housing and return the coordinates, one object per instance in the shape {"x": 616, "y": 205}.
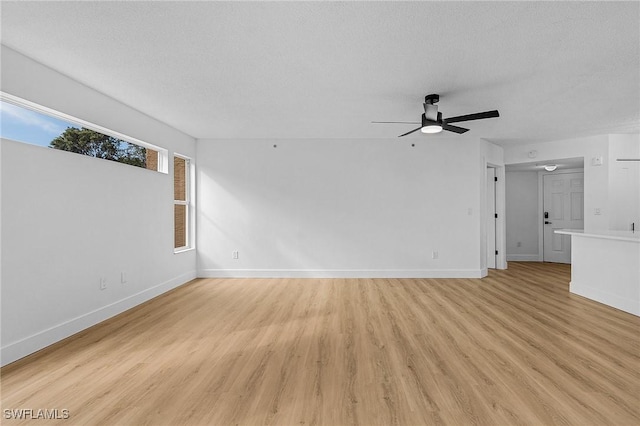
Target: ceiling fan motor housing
{"x": 428, "y": 122}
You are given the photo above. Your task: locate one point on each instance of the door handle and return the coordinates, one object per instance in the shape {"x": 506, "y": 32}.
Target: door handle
{"x": 546, "y": 222}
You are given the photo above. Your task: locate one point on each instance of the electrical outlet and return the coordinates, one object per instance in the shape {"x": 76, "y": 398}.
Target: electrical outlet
{"x": 123, "y": 277}
{"x": 103, "y": 283}
{"x": 434, "y": 255}
{"x": 519, "y": 244}
{"x": 597, "y": 211}
{"x": 234, "y": 254}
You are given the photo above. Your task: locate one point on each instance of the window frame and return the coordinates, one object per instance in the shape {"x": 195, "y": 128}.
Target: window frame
{"x": 163, "y": 154}
{"x": 189, "y": 231}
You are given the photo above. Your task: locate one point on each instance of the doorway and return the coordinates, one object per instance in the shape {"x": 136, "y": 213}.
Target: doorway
{"x": 563, "y": 208}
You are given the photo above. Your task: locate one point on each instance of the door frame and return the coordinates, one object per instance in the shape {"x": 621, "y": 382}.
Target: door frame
{"x": 492, "y": 231}
{"x": 501, "y": 232}
{"x": 541, "y": 205}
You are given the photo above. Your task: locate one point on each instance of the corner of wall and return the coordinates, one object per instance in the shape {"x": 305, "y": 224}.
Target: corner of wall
{"x": 30, "y": 80}
{"x": 40, "y": 340}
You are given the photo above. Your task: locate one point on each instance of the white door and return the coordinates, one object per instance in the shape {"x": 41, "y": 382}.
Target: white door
{"x": 563, "y": 206}
{"x": 491, "y": 217}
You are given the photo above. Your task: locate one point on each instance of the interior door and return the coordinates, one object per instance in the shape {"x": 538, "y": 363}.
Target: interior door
{"x": 563, "y": 205}
{"x": 491, "y": 217}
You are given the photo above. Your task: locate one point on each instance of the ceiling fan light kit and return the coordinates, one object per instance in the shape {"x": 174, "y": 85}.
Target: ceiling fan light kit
{"x": 432, "y": 121}
{"x": 431, "y": 128}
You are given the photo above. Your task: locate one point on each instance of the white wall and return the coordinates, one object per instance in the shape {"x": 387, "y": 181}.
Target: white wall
{"x": 339, "y": 208}
{"x": 624, "y": 182}
{"x": 608, "y": 187}
{"x": 607, "y": 270}
{"x": 522, "y": 216}
{"x": 68, "y": 220}
{"x": 596, "y": 178}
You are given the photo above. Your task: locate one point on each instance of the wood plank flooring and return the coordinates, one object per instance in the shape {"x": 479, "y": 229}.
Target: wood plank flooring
{"x": 515, "y": 348}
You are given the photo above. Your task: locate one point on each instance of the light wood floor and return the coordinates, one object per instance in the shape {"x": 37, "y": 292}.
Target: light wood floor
{"x": 514, "y": 348}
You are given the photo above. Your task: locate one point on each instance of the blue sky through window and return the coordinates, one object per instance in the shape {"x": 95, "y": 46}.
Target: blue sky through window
{"x": 25, "y": 125}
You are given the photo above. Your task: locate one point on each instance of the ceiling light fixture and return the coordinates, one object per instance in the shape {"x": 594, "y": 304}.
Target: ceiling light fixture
{"x": 431, "y": 128}
{"x": 550, "y": 167}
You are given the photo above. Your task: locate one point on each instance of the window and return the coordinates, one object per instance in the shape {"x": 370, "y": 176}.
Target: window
{"x": 181, "y": 202}
{"x": 24, "y": 121}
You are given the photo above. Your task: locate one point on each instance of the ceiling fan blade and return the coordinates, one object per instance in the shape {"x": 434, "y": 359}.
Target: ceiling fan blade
{"x": 455, "y": 129}
{"x": 476, "y": 116}
{"x": 408, "y": 133}
{"x": 396, "y": 122}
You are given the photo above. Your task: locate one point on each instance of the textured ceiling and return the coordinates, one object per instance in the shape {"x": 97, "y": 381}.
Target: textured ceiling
{"x": 327, "y": 69}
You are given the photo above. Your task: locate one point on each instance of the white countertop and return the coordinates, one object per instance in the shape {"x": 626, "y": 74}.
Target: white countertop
{"x": 604, "y": 234}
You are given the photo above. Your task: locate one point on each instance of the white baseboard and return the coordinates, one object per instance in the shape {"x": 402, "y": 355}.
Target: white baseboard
{"x": 624, "y": 304}
{"x": 523, "y": 258}
{"x": 340, "y": 273}
{"x": 28, "y": 345}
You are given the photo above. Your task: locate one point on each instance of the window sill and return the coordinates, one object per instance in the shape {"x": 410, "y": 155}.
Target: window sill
{"x": 182, "y": 250}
